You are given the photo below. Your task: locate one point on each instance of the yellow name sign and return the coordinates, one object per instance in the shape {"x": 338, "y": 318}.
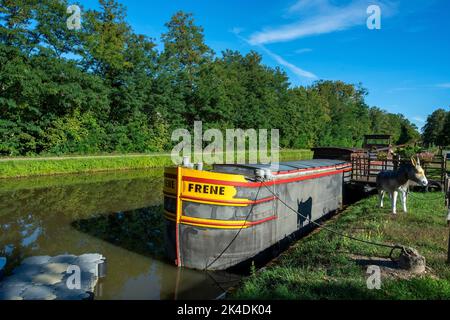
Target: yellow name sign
{"x": 200, "y": 191}
{"x": 208, "y": 191}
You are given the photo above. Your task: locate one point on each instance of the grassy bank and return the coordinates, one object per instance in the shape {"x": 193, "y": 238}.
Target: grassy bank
{"x": 52, "y": 166}
{"x": 26, "y": 167}
{"x": 50, "y": 181}
{"x": 326, "y": 266}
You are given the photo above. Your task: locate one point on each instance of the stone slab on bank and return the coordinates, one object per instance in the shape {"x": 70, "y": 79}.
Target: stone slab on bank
{"x": 64, "y": 277}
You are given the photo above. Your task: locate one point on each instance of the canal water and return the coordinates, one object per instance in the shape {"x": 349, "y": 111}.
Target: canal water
{"x": 118, "y": 215}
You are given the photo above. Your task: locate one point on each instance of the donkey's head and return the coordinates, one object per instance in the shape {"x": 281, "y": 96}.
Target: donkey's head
{"x": 416, "y": 172}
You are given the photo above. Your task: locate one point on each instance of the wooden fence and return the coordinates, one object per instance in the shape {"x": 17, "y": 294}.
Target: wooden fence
{"x": 447, "y": 191}
{"x": 366, "y": 167}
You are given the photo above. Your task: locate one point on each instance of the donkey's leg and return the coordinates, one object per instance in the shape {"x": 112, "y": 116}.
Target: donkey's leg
{"x": 403, "y": 198}
{"x": 394, "y": 202}
{"x": 381, "y": 195}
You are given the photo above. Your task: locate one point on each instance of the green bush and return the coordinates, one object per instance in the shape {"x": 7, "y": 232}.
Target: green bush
{"x": 408, "y": 152}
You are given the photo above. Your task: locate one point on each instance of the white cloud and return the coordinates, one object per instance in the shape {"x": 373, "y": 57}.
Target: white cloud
{"x": 304, "y": 50}
{"x": 303, "y": 5}
{"x": 323, "y": 17}
{"x": 419, "y": 119}
{"x": 236, "y": 30}
{"x": 293, "y": 68}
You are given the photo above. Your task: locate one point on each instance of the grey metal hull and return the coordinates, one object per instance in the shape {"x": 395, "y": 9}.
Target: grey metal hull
{"x": 218, "y": 249}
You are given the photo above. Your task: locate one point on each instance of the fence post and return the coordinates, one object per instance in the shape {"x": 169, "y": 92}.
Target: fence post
{"x": 396, "y": 162}
{"x": 448, "y": 224}
{"x": 353, "y": 167}
{"x": 447, "y": 190}
{"x": 443, "y": 171}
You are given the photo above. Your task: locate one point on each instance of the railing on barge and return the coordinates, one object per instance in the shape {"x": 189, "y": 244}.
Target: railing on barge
{"x": 366, "y": 167}
{"x": 366, "y": 164}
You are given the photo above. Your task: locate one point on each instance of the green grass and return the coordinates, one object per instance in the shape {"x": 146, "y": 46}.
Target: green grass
{"x": 323, "y": 266}
{"x": 291, "y": 155}
{"x": 26, "y": 167}
{"x": 50, "y": 181}
{"x": 37, "y": 167}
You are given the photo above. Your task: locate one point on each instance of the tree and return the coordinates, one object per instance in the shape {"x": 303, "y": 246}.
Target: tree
{"x": 180, "y": 65}
{"x": 303, "y": 119}
{"x": 445, "y": 134}
{"x": 16, "y": 17}
{"x": 104, "y": 40}
{"x": 348, "y": 112}
{"x": 51, "y": 35}
{"x": 380, "y": 122}
{"x": 184, "y": 47}
{"x": 433, "y": 129}
{"x": 408, "y": 133}
{"x": 105, "y": 88}
{"x": 401, "y": 129}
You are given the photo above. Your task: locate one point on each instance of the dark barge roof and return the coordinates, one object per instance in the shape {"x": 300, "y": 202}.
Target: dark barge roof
{"x": 341, "y": 149}
{"x": 283, "y": 167}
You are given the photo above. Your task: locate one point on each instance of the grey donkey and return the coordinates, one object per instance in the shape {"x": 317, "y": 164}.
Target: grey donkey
{"x": 395, "y": 182}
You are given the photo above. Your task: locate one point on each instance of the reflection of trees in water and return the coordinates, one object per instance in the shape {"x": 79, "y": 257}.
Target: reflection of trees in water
{"x": 140, "y": 230}
{"x": 99, "y": 217}
{"x": 128, "y": 236}
{"x": 78, "y": 201}
{"x": 18, "y": 238}
{"x": 37, "y": 221}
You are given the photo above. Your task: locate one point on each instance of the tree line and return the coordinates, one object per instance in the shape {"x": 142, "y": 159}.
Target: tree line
{"x": 105, "y": 88}
{"x": 436, "y": 131}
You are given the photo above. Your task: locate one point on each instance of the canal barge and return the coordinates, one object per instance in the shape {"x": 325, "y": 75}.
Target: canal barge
{"x": 217, "y": 219}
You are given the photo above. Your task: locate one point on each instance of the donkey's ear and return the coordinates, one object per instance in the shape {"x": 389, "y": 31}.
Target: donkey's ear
{"x": 413, "y": 161}
{"x": 418, "y": 161}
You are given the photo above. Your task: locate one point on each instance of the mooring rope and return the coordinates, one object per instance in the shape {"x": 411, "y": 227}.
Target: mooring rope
{"x": 320, "y": 225}
{"x": 334, "y": 231}
{"x": 238, "y": 233}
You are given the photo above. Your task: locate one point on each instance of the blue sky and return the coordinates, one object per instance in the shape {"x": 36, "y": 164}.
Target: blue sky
{"x": 405, "y": 65}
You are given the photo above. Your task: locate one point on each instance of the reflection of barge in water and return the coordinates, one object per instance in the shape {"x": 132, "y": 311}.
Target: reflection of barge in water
{"x": 205, "y": 210}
